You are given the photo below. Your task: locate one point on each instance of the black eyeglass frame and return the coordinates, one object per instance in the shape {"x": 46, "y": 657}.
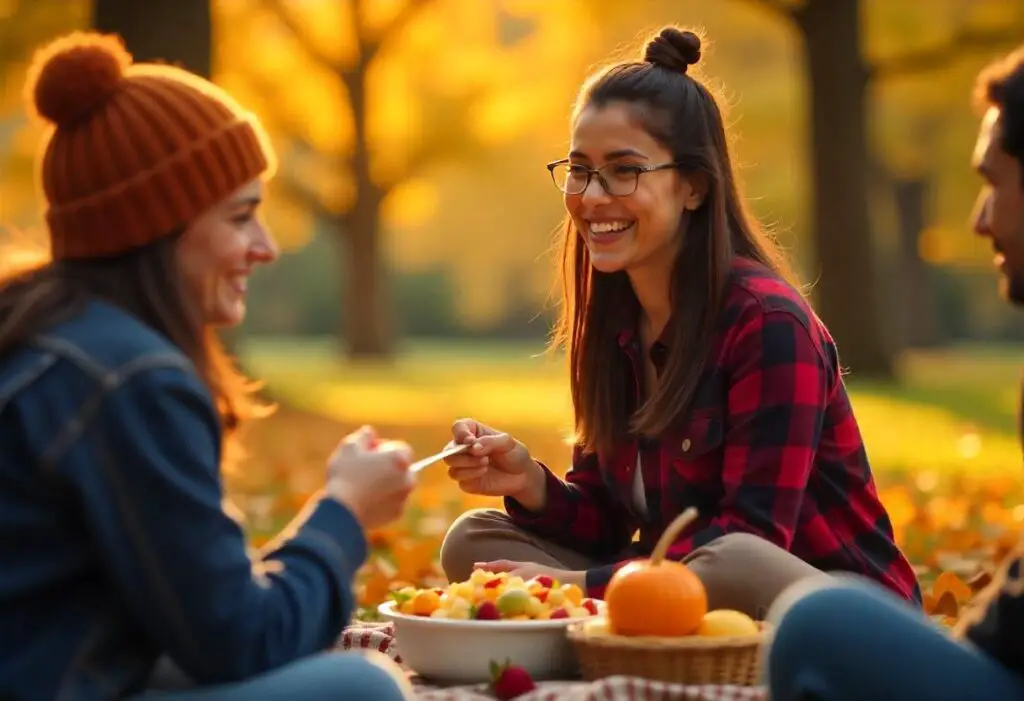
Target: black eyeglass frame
{"x": 591, "y": 172}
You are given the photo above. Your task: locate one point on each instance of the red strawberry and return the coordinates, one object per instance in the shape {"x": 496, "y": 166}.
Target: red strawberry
{"x": 508, "y": 681}
{"x": 492, "y": 583}
{"x": 559, "y": 613}
{"x": 589, "y": 605}
{"x": 545, "y": 581}
{"x": 487, "y": 612}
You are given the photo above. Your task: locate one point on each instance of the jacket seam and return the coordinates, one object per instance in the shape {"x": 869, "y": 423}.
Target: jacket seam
{"x": 74, "y": 353}
{"x": 109, "y": 381}
{"x": 142, "y": 546}
{"x": 26, "y": 377}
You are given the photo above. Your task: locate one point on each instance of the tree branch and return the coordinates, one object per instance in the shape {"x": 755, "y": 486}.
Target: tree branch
{"x": 371, "y": 47}
{"x": 426, "y": 151}
{"x": 286, "y": 16}
{"x": 292, "y": 185}
{"x": 296, "y": 189}
{"x": 447, "y": 133}
{"x": 935, "y": 57}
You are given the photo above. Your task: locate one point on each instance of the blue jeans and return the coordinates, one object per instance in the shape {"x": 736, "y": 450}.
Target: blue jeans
{"x": 330, "y": 676}
{"x": 857, "y": 641}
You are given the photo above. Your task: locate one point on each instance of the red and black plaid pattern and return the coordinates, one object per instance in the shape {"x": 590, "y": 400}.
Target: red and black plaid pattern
{"x": 771, "y": 448}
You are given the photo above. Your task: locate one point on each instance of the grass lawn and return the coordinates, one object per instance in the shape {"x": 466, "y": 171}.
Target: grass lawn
{"x": 942, "y": 442}
{"x": 955, "y": 411}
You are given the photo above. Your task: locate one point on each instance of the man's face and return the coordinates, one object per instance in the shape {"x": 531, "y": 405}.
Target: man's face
{"x": 999, "y": 211}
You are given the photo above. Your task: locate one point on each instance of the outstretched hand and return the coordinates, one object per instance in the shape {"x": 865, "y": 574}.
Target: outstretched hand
{"x": 496, "y": 464}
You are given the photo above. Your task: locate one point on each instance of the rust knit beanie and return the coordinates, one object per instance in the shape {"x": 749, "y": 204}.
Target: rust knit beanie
{"x": 136, "y": 151}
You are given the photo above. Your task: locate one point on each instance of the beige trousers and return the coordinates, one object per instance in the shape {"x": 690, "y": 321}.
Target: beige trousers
{"x": 739, "y": 571}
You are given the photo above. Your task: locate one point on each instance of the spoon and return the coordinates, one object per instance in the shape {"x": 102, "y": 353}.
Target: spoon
{"x": 436, "y": 457}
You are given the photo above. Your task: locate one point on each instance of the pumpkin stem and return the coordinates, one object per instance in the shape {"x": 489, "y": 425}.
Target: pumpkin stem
{"x": 671, "y": 533}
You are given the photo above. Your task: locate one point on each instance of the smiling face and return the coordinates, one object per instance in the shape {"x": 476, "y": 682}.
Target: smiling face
{"x": 631, "y": 232}
{"x": 218, "y": 252}
{"x": 999, "y": 212}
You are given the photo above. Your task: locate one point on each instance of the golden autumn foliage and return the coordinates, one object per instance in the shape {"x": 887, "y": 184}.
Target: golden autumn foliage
{"x": 488, "y": 86}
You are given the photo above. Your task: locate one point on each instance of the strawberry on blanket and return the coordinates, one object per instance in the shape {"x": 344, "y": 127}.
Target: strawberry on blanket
{"x": 509, "y": 681}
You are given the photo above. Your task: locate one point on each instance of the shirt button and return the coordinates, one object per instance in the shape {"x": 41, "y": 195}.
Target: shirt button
{"x": 686, "y": 444}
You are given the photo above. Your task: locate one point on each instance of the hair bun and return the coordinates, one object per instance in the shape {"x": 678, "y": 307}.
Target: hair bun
{"x": 75, "y": 75}
{"x": 673, "y": 49}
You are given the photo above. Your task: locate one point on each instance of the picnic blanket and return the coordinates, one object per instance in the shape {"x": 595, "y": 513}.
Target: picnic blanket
{"x": 380, "y": 637}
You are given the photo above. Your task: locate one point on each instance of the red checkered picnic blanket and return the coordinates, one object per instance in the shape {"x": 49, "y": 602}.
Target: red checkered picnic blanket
{"x": 380, "y": 637}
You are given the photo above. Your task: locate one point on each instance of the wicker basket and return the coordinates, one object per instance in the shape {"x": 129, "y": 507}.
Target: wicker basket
{"x": 688, "y": 660}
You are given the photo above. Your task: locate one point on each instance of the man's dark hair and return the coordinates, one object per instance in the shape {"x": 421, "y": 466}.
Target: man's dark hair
{"x": 1001, "y": 84}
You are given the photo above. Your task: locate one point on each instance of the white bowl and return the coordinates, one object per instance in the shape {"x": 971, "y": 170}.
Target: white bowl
{"x": 451, "y": 651}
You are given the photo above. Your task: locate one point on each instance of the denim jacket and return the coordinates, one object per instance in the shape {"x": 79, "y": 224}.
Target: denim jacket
{"x": 114, "y": 546}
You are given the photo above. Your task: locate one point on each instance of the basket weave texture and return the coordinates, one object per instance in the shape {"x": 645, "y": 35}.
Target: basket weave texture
{"x": 686, "y": 660}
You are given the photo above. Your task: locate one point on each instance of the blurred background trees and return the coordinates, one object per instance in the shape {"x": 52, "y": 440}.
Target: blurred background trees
{"x": 412, "y": 199}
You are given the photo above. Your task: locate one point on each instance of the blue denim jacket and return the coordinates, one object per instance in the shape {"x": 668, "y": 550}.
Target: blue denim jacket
{"x": 114, "y": 546}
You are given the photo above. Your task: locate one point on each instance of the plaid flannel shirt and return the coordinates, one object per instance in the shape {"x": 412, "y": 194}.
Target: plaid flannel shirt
{"x": 771, "y": 448}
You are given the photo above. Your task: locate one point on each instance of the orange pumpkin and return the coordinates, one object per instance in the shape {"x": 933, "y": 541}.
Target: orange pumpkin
{"x": 657, "y": 597}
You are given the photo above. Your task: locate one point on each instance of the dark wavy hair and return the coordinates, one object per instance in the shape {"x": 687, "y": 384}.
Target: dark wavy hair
{"x": 681, "y": 113}
{"x": 146, "y": 283}
{"x": 1001, "y": 84}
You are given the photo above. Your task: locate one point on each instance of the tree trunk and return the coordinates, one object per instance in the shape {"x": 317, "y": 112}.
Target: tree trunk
{"x": 919, "y": 320}
{"x": 175, "y": 31}
{"x": 368, "y": 300}
{"x": 841, "y": 230}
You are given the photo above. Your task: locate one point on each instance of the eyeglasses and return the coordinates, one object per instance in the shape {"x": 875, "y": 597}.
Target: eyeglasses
{"x": 617, "y": 179}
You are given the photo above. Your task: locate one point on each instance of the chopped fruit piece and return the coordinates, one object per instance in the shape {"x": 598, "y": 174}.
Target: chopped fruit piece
{"x": 426, "y": 602}
{"x": 513, "y": 602}
{"x": 544, "y": 580}
{"x": 487, "y": 612}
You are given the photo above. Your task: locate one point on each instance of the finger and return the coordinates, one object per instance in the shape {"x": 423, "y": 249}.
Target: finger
{"x": 474, "y": 487}
{"x": 362, "y": 439}
{"x": 396, "y": 452}
{"x": 464, "y": 461}
{"x": 409, "y": 480}
{"x": 467, "y": 471}
{"x": 496, "y": 566}
{"x": 396, "y": 489}
{"x": 465, "y": 431}
{"x": 465, "y": 474}
{"x": 396, "y": 500}
{"x": 497, "y": 443}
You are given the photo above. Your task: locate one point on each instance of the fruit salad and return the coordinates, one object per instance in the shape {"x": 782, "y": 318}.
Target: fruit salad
{"x": 489, "y": 596}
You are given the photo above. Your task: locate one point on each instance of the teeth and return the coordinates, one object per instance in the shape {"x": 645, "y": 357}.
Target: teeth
{"x": 606, "y": 227}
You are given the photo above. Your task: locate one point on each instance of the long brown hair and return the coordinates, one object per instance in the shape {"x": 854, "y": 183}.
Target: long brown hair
{"x": 680, "y": 113}
{"x": 146, "y": 283}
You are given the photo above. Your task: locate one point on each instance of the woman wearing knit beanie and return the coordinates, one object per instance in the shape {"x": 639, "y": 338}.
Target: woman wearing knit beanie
{"x": 117, "y": 403}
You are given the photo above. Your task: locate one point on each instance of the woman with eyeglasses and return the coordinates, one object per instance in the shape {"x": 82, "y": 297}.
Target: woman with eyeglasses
{"x": 700, "y": 376}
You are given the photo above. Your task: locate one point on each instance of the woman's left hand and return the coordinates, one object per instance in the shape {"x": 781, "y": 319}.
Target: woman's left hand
{"x": 529, "y": 570}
